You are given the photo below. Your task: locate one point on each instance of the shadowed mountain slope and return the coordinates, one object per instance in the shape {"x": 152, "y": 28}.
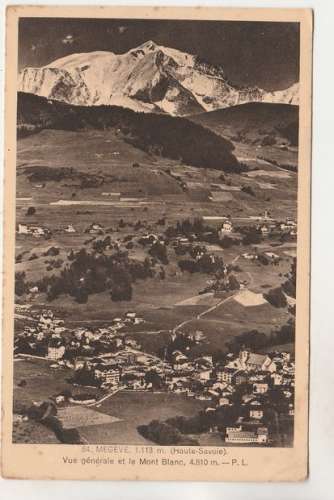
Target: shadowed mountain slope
{"x": 158, "y": 134}
{"x": 253, "y": 122}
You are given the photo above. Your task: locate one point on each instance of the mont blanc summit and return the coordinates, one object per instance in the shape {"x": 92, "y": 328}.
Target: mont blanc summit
{"x": 149, "y": 78}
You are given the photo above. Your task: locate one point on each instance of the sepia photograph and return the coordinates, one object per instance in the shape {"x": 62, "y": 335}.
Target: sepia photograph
{"x": 155, "y": 275}
{"x": 157, "y": 177}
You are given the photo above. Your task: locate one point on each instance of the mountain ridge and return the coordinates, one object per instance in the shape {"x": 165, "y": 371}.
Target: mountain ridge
{"x": 149, "y": 78}
{"x": 254, "y": 122}
{"x": 157, "y": 134}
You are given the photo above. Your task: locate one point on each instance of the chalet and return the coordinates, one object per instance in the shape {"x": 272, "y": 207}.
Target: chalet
{"x": 117, "y": 342}
{"x": 219, "y": 386}
{"x": 251, "y": 361}
{"x": 210, "y": 409}
{"x": 132, "y": 343}
{"x": 178, "y": 356}
{"x": 289, "y": 368}
{"x": 69, "y": 229}
{"x": 277, "y": 378}
{"x": 283, "y": 226}
{"x": 264, "y": 230}
{"x": 260, "y": 388}
{"x": 46, "y": 320}
{"x": 224, "y": 401}
{"x": 228, "y": 390}
{"x": 250, "y": 256}
{"x": 94, "y": 228}
{"x": 130, "y": 315}
{"x": 82, "y": 362}
{"x": 290, "y": 222}
{"x": 136, "y": 384}
{"x": 198, "y": 336}
{"x": 282, "y": 356}
{"x": 59, "y": 329}
{"x": 227, "y": 227}
{"x": 142, "y": 359}
{"x": 23, "y": 229}
{"x": 40, "y": 336}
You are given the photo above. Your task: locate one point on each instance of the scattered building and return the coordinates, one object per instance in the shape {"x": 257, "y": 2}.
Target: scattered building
{"x": 36, "y": 231}
{"x": 114, "y": 196}
{"x": 69, "y": 229}
{"x": 227, "y": 227}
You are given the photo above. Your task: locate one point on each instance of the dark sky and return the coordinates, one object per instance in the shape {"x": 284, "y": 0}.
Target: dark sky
{"x": 251, "y": 53}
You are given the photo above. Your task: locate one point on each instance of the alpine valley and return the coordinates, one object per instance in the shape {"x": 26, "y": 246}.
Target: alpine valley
{"x": 156, "y": 243}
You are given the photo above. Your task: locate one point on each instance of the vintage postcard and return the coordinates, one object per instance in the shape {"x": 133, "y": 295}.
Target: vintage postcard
{"x": 157, "y": 250}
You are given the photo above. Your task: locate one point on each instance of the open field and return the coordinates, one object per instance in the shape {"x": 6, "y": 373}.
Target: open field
{"x": 137, "y": 408}
{"x": 41, "y": 381}
{"x": 73, "y": 417}
{"x": 264, "y": 315}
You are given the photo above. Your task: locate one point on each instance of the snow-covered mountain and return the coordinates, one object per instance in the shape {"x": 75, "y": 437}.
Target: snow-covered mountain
{"x": 147, "y": 78}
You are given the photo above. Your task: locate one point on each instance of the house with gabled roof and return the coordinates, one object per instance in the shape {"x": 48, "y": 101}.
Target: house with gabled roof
{"x": 251, "y": 361}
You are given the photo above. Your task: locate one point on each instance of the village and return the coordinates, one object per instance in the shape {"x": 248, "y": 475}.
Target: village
{"x": 224, "y": 225}
{"x": 245, "y": 394}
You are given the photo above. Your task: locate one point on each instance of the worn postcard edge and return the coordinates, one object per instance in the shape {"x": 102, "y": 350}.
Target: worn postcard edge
{"x": 44, "y": 461}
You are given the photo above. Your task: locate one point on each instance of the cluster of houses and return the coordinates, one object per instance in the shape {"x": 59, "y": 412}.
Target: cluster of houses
{"x": 47, "y": 337}
{"x": 270, "y": 256}
{"x": 265, "y": 224}
{"x": 39, "y": 231}
{"x": 251, "y": 384}
{"x": 289, "y": 227}
{"x": 260, "y": 376}
{"x": 36, "y": 231}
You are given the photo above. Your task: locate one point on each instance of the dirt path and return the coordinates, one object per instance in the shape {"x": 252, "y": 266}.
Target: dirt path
{"x": 221, "y": 302}
{"x": 199, "y": 316}
{"x": 107, "y": 396}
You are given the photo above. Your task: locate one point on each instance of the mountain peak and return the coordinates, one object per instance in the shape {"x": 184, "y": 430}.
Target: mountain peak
{"x": 144, "y": 49}
{"x": 149, "y": 77}
{"x": 149, "y": 45}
